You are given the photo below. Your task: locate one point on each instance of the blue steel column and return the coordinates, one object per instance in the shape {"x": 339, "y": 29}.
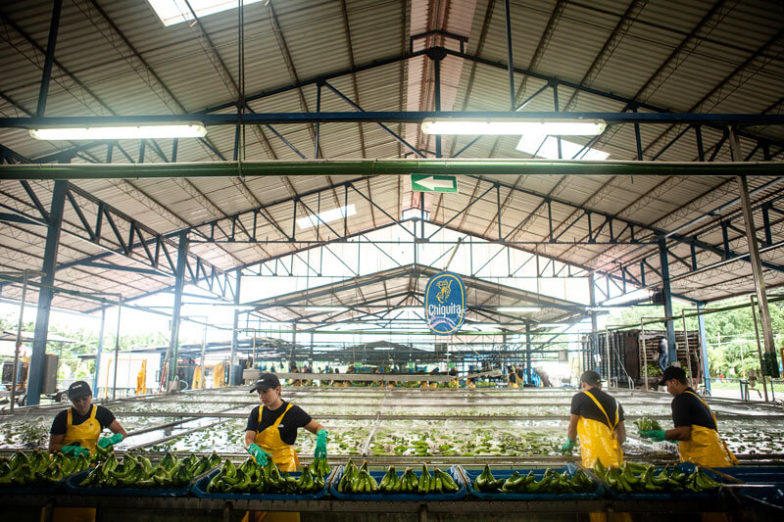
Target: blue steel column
{"x": 703, "y": 347}
{"x": 49, "y": 60}
{"x": 36, "y": 372}
{"x": 437, "y": 74}
{"x": 179, "y": 283}
{"x": 510, "y": 60}
{"x": 594, "y": 323}
{"x": 98, "y": 353}
{"x": 665, "y": 274}
{"x": 527, "y": 352}
{"x": 234, "y": 333}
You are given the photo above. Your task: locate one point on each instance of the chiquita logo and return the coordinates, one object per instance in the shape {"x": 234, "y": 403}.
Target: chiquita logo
{"x": 445, "y": 303}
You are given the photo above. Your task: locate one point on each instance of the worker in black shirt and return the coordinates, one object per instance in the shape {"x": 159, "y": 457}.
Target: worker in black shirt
{"x": 598, "y": 420}
{"x": 695, "y": 425}
{"x": 76, "y": 431}
{"x": 272, "y": 427}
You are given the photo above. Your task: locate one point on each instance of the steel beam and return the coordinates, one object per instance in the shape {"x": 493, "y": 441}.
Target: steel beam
{"x": 390, "y": 167}
{"x": 667, "y": 294}
{"x": 54, "y": 26}
{"x": 46, "y": 293}
{"x": 174, "y": 340}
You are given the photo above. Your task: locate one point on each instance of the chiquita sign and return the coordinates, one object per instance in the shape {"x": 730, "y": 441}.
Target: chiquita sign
{"x": 445, "y": 299}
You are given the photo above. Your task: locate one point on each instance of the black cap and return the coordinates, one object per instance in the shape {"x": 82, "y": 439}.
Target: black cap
{"x": 265, "y": 382}
{"x": 591, "y": 377}
{"x": 79, "y": 389}
{"x": 672, "y": 372}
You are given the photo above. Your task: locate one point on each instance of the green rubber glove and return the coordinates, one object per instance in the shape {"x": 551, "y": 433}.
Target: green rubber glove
{"x": 654, "y": 435}
{"x": 75, "y": 451}
{"x": 568, "y": 446}
{"x": 321, "y": 444}
{"x": 105, "y": 442}
{"x": 259, "y": 455}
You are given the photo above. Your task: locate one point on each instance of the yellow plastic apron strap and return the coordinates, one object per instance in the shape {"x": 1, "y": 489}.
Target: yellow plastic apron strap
{"x": 705, "y": 446}
{"x": 597, "y": 439}
{"x": 283, "y": 455}
{"x": 86, "y": 433}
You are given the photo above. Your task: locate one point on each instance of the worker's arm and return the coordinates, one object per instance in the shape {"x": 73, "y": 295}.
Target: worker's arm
{"x": 620, "y": 432}
{"x": 679, "y": 433}
{"x": 312, "y": 427}
{"x": 250, "y": 438}
{"x": 572, "y": 431}
{"x": 56, "y": 442}
{"x": 116, "y": 427}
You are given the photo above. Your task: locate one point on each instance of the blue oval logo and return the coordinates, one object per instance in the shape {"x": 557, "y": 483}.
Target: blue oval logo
{"x": 445, "y": 303}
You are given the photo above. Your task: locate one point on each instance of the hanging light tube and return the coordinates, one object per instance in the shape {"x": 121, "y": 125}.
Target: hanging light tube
{"x": 124, "y": 132}
{"x": 560, "y": 127}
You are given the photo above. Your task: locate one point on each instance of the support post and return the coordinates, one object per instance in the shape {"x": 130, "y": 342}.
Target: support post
{"x": 509, "y": 58}
{"x": 234, "y": 331}
{"x": 770, "y": 364}
{"x": 528, "y": 372}
{"x": 98, "y": 352}
{"x": 759, "y": 349}
{"x": 667, "y": 293}
{"x": 49, "y": 60}
{"x": 116, "y": 349}
{"x": 703, "y": 348}
{"x": 594, "y": 322}
{"x": 437, "y": 96}
{"x": 18, "y": 345}
{"x": 179, "y": 283}
{"x": 46, "y": 293}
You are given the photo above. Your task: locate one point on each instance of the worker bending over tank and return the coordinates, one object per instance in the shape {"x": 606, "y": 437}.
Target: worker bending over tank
{"x": 597, "y": 419}
{"x": 696, "y": 431}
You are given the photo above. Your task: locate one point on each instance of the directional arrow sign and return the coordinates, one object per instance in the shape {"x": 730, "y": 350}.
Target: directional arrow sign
{"x": 430, "y": 183}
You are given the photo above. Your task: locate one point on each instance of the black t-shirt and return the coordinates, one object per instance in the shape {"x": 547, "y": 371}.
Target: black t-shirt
{"x": 60, "y": 422}
{"x": 295, "y": 418}
{"x": 584, "y": 406}
{"x": 688, "y": 409}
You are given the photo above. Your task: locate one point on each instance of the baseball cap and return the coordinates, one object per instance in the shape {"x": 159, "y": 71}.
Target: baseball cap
{"x": 591, "y": 377}
{"x": 265, "y": 382}
{"x": 672, "y": 372}
{"x": 79, "y": 389}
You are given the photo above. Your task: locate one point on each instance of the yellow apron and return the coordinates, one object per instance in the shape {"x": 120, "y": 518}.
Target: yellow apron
{"x": 283, "y": 455}
{"x": 86, "y": 433}
{"x": 705, "y": 447}
{"x": 285, "y": 458}
{"x": 597, "y": 439}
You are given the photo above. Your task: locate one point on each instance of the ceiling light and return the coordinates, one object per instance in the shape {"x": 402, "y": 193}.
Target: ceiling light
{"x": 564, "y": 127}
{"x": 517, "y": 309}
{"x": 127, "y": 132}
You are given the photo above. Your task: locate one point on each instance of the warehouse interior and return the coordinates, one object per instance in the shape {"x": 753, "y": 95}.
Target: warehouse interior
{"x": 321, "y": 185}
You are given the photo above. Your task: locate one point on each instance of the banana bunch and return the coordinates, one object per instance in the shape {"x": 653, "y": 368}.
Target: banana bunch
{"x": 137, "y": 471}
{"x": 249, "y": 477}
{"x": 551, "y": 482}
{"x": 38, "y": 468}
{"x": 358, "y": 480}
{"x": 640, "y": 478}
{"x": 320, "y": 467}
{"x": 647, "y": 424}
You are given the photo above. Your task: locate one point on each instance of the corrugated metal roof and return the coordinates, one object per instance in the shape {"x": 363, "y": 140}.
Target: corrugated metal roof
{"x": 98, "y": 72}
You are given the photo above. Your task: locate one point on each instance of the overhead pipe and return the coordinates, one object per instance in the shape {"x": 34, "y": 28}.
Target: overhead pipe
{"x": 390, "y": 167}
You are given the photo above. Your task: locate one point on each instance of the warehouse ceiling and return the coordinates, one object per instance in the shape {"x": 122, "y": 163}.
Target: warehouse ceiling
{"x": 299, "y": 59}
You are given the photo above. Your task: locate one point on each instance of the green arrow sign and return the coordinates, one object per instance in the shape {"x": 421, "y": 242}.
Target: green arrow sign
{"x": 431, "y": 183}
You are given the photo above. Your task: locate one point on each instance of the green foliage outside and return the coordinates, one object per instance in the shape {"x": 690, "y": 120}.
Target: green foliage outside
{"x": 732, "y": 346}
{"x": 70, "y": 365}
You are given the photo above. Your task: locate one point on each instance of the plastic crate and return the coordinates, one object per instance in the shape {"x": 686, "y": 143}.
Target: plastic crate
{"x": 72, "y": 486}
{"x": 200, "y": 490}
{"x": 773, "y": 475}
{"x": 504, "y": 474}
{"x": 399, "y": 497}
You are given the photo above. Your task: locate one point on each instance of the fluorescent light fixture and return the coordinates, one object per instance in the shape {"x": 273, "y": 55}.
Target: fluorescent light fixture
{"x": 326, "y": 217}
{"x": 176, "y": 11}
{"x": 564, "y": 127}
{"x": 517, "y": 309}
{"x": 126, "y": 132}
{"x": 547, "y": 147}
